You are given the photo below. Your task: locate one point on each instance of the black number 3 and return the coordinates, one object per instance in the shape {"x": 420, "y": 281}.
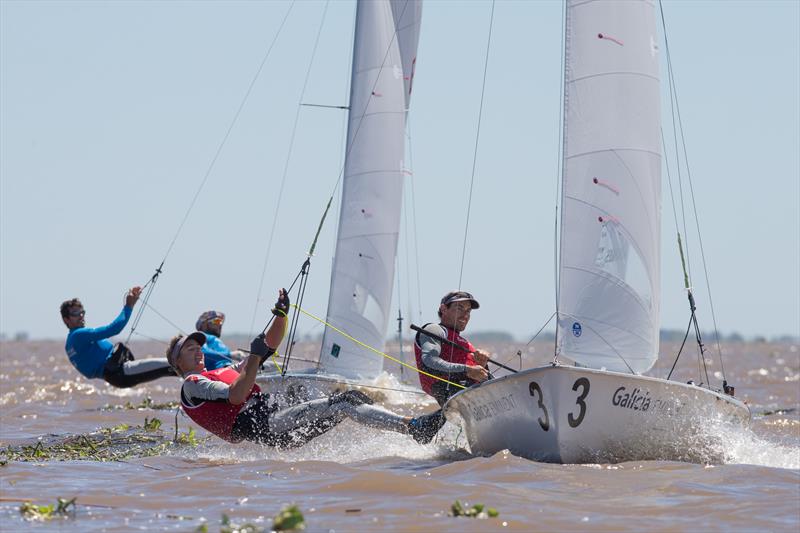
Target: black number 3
{"x": 582, "y": 382}
{"x": 534, "y": 389}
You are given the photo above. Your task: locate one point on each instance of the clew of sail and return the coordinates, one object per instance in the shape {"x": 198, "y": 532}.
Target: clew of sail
{"x": 384, "y": 54}
{"x": 609, "y": 267}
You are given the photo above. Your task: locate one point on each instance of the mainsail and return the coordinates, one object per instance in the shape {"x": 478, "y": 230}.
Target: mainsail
{"x": 384, "y": 55}
{"x": 609, "y": 282}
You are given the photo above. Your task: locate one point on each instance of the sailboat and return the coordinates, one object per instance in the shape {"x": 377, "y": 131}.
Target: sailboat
{"x": 384, "y": 58}
{"x": 592, "y": 404}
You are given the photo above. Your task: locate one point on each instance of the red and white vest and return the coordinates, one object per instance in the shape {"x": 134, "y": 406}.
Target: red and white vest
{"x": 449, "y": 353}
{"x": 217, "y": 417}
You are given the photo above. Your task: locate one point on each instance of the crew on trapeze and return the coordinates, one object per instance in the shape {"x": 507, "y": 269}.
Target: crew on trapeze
{"x": 216, "y": 352}
{"x": 228, "y": 403}
{"x": 456, "y": 362}
{"x": 94, "y": 356}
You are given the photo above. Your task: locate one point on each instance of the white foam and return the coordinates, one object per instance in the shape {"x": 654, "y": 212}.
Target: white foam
{"x": 346, "y": 443}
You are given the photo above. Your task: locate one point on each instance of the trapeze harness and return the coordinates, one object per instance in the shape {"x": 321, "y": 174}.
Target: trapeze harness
{"x": 439, "y": 389}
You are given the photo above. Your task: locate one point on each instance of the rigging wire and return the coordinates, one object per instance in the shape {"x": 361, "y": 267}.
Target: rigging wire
{"x": 286, "y": 164}
{"x": 230, "y": 128}
{"x": 150, "y": 285}
{"x": 475, "y": 151}
{"x": 694, "y": 204}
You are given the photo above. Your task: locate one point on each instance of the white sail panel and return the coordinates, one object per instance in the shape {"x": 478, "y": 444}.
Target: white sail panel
{"x": 372, "y": 190}
{"x": 407, "y": 16}
{"x": 609, "y": 284}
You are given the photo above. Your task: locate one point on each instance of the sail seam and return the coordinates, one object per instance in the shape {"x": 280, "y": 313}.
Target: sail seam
{"x": 616, "y": 73}
{"x": 612, "y": 150}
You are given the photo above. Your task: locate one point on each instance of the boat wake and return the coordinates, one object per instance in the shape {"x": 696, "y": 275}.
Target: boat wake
{"x": 745, "y": 447}
{"x": 347, "y": 443}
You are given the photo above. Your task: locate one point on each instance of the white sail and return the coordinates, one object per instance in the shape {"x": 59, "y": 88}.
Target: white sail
{"x": 384, "y": 53}
{"x": 609, "y": 284}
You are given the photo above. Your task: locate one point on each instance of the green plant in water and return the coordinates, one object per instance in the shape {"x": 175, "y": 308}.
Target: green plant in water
{"x": 476, "y": 511}
{"x": 227, "y": 526}
{"x": 47, "y": 512}
{"x": 288, "y": 519}
{"x": 107, "y": 444}
{"x": 189, "y": 438}
{"x": 147, "y": 403}
{"x": 152, "y": 424}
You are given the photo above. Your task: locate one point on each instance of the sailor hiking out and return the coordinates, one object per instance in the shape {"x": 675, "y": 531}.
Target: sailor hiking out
{"x": 228, "y": 403}
{"x": 94, "y": 356}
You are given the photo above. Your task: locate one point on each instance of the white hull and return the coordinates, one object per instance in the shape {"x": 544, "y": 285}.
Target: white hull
{"x": 301, "y": 386}
{"x": 568, "y": 414}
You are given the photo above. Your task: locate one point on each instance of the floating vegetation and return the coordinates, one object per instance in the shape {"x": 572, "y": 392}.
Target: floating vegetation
{"x": 108, "y": 444}
{"x": 476, "y": 511}
{"x": 62, "y": 508}
{"x": 289, "y": 519}
{"x": 147, "y": 403}
{"x": 152, "y": 424}
{"x": 227, "y": 526}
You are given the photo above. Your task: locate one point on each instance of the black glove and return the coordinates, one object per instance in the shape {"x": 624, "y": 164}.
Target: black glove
{"x": 259, "y": 347}
{"x": 282, "y": 305}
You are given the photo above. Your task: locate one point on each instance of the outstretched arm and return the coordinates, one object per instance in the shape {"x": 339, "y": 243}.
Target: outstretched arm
{"x": 262, "y": 347}
{"x": 116, "y": 326}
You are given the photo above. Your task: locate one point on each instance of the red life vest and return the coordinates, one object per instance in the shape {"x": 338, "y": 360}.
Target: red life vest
{"x": 449, "y": 353}
{"x": 217, "y": 417}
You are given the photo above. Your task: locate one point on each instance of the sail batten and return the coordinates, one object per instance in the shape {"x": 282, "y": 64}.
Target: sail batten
{"x": 384, "y": 55}
{"x": 609, "y": 281}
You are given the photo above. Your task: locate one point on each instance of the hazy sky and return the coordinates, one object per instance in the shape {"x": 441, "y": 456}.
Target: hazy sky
{"x": 112, "y": 112}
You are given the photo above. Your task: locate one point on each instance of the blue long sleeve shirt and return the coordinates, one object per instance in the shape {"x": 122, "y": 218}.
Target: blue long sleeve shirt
{"x": 217, "y": 354}
{"x": 88, "y": 348}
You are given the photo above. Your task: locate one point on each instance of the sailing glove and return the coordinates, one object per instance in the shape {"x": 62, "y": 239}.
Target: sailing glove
{"x": 259, "y": 347}
{"x": 282, "y": 305}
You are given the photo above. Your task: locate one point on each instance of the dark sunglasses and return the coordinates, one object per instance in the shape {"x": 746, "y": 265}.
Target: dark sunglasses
{"x": 77, "y": 313}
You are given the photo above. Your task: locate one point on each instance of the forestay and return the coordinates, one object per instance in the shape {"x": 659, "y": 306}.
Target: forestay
{"x": 384, "y": 54}
{"x": 609, "y": 279}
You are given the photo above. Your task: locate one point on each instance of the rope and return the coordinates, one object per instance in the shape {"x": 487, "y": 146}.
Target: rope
{"x": 370, "y": 348}
{"x": 286, "y": 165}
{"x": 475, "y": 151}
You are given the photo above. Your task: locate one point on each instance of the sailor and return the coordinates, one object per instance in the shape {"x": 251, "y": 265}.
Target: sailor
{"x": 228, "y": 402}
{"x": 465, "y": 365}
{"x": 217, "y": 354}
{"x": 94, "y": 356}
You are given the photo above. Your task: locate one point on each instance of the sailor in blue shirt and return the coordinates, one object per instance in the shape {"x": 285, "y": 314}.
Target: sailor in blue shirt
{"x": 94, "y": 356}
{"x": 217, "y": 354}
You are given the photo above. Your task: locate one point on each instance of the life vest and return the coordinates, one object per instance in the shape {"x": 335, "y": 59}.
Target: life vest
{"x": 448, "y": 353}
{"x": 217, "y": 417}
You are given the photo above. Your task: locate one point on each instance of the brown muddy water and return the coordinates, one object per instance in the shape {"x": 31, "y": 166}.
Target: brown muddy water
{"x": 358, "y": 479}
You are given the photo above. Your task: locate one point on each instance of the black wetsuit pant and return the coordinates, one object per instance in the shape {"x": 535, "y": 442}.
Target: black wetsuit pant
{"x": 294, "y": 426}
{"x": 121, "y": 370}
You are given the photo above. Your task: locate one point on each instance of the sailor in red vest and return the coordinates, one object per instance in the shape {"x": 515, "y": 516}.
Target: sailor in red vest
{"x": 228, "y": 403}
{"x": 465, "y": 365}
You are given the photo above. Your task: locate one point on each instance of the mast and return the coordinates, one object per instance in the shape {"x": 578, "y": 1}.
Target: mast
{"x": 609, "y": 265}
{"x": 384, "y": 55}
